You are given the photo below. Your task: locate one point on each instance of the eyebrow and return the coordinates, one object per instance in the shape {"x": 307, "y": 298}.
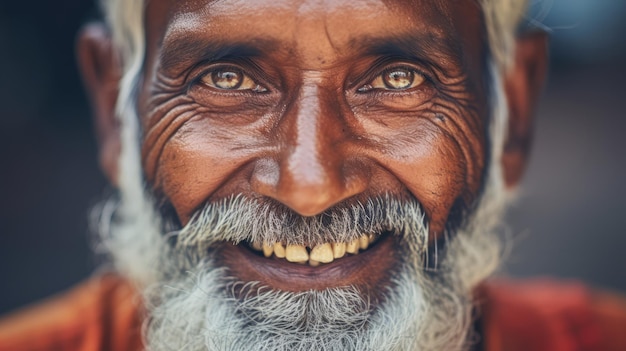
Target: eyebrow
{"x": 187, "y": 51}
{"x": 421, "y": 46}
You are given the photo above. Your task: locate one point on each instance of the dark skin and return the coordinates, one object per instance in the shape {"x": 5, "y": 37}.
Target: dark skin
{"x": 315, "y": 104}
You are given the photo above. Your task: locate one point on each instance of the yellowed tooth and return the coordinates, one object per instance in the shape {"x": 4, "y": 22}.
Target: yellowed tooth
{"x": 296, "y": 253}
{"x": 364, "y": 242}
{"x": 339, "y": 250}
{"x": 313, "y": 263}
{"x": 353, "y": 246}
{"x": 279, "y": 250}
{"x": 322, "y": 253}
{"x": 257, "y": 246}
{"x": 371, "y": 238}
{"x": 268, "y": 250}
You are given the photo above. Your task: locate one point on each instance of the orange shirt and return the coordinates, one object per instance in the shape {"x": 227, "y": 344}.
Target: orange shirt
{"x": 542, "y": 315}
{"x": 104, "y": 314}
{"x": 100, "y": 314}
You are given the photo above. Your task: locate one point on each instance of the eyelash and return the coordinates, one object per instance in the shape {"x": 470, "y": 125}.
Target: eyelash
{"x": 197, "y": 79}
{"x": 376, "y": 72}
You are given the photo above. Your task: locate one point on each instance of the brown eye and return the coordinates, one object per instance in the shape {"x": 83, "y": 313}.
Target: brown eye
{"x": 398, "y": 79}
{"x": 231, "y": 79}
{"x": 394, "y": 79}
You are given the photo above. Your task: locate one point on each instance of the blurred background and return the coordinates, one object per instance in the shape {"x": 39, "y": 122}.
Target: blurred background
{"x": 568, "y": 223}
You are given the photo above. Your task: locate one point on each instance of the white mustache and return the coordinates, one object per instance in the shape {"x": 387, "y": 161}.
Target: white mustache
{"x": 239, "y": 219}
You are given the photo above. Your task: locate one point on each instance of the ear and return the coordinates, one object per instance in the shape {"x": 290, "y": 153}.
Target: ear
{"x": 523, "y": 84}
{"x": 100, "y": 69}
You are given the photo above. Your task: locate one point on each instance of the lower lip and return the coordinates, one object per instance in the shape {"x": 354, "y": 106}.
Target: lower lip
{"x": 368, "y": 271}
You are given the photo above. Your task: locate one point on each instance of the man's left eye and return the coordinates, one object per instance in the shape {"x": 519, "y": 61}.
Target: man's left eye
{"x": 231, "y": 79}
{"x": 397, "y": 79}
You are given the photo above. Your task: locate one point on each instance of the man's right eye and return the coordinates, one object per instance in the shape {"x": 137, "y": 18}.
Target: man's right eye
{"x": 231, "y": 78}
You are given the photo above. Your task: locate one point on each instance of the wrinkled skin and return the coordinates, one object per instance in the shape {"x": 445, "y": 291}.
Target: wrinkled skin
{"x": 313, "y": 140}
{"x": 312, "y": 126}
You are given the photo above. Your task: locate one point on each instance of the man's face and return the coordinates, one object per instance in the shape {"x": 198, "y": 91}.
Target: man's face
{"x": 312, "y": 106}
{"x": 323, "y": 170}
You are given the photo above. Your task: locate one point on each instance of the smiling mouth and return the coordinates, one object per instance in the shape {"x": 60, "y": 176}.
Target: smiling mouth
{"x": 319, "y": 254}
{"x": 365, "y": 263}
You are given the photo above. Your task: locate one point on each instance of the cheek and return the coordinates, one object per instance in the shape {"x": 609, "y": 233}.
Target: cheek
{"x": 437, "y": 154}
{"x": 430, "y": 165}
{"x": 199, "y": 157}
{"x": 465, "y": 128}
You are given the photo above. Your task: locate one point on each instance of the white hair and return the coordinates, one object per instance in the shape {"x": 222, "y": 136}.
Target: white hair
{"x": 423, "y": 312}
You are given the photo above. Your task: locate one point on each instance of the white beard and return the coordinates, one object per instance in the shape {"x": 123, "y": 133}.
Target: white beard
{"x": 191, "y": 305}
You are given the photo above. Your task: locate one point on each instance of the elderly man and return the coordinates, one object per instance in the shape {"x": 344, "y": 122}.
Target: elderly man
{"x": 313, "y": 175}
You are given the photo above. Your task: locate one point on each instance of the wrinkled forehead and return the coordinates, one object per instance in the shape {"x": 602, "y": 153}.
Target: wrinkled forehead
{"x": 318, "y": 28}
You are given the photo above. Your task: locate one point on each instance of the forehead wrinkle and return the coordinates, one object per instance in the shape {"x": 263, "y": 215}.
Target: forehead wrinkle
{"x": 432, "y": 33}
{"x": 215, "y": 17}
{"x": 188, "y": 17}
{"x": 184, "y": 23}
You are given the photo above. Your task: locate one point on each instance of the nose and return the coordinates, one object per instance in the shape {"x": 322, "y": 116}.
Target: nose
{"x": 313, "y": 168}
